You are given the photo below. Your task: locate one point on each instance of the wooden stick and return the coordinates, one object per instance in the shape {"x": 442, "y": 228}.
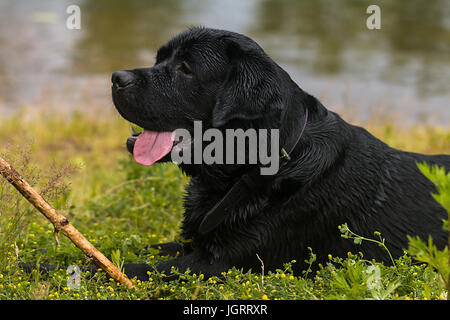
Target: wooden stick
{"x": 61, "y": 223}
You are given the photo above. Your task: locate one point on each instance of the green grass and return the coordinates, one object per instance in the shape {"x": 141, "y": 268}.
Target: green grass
{"x": 79, "y": 162}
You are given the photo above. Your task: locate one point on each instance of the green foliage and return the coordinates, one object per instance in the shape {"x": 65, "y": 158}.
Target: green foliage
{"x": 426, "y": 251}
{"x": 113, "y": 229}
{"x": 438, "y": 176}
{"x": 357, "y": 239}
{"x": 121, "y": 207}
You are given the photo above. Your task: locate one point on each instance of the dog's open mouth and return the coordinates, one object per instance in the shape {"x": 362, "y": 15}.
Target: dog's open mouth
{"x": 147, "y": 147}
{"x": 151, "y": 146}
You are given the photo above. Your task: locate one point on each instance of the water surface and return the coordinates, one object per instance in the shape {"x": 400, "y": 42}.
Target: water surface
{"x": 402, "y": 70}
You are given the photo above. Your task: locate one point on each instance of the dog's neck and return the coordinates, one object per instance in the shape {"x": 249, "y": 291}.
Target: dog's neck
{"x": 293, "y": 125}
{"x": 238, "y": 187}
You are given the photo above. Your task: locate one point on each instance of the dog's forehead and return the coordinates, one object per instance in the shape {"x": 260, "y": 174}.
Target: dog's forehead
{"x": 206, "y": 46}
{"x": 192, "y": 43}
{"x": 198, "y": 35}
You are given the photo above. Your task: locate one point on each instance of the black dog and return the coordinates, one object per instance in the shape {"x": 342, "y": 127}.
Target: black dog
{"x": 335, "y": 173}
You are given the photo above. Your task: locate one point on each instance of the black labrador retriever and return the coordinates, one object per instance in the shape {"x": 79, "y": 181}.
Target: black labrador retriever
{"x": 334, "y": 172}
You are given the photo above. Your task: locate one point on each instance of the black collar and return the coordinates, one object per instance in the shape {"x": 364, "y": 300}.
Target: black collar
{"x": 246, "y": 184}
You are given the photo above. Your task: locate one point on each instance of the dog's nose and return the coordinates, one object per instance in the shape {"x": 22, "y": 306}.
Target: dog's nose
{"x": 122, "y": 78}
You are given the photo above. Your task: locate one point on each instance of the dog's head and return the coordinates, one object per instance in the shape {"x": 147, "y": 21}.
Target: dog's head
{"x": 221, "y": 78}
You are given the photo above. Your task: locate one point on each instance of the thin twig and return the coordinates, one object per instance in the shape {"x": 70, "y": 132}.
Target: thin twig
{"x": 262, "y": 273}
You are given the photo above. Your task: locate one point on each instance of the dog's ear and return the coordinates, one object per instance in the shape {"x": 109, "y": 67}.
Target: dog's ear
{"x": 251, "y": 89}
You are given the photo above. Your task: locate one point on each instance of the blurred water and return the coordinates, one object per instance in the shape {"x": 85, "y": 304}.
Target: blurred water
{"x": 402, "y": 69}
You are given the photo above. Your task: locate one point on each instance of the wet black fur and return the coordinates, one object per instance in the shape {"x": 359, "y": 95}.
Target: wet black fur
{"x": 339, "y": 172}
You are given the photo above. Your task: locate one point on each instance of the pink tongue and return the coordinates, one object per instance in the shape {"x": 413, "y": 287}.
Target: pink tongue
{"x": 151, "y": 146}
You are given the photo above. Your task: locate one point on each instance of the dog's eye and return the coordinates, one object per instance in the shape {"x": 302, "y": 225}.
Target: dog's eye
{"x": 184, "y": 67}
